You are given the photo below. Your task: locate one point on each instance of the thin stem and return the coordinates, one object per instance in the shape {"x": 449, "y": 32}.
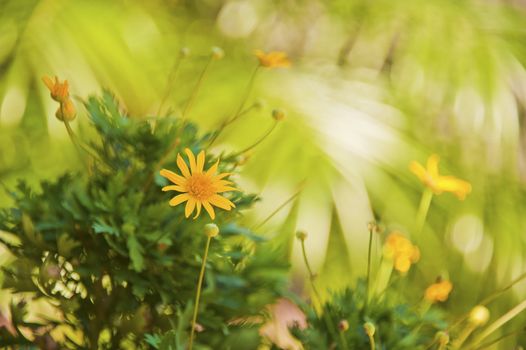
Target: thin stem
{"x": 489, "y": 299}
{"x": 171, "y": 80}
{"x": 198, "y": 294}
{"x": 290, "y": 199}
{"x": 495, "y": 341}
{"x": 369, "y": 267}
{"x": 343, "y": 340}
{"x": 261, "y": 139}
{"x": 328, "y": 321}
{"x": 239, "y": 112}
{"x": 425, "y": 202}
{"x": 463, "y": 336}
{"x": 500, "y": 322}
{"x": 197, "y": 87}
{"x": 372, "y": 344}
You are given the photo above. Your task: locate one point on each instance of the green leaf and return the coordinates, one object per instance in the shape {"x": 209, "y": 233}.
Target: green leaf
{"x": 65, "y": 245}
{"x": 101, "y": 227}
{"x": 136, "y": 253}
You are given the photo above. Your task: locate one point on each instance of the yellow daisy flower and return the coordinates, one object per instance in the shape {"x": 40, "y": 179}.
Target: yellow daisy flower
{"x": 198, "y": 188}
{"x": 274, "y": 59}
{"x": 437, "y": 183}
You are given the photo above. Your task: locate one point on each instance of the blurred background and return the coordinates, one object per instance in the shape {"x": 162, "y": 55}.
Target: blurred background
{"x": 373, "y": 86}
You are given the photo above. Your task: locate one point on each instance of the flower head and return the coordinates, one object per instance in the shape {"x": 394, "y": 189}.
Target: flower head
{"x": 59, "y": 91}
{"x": 438, "y": 183}
{"x": 401, "y": 251}
{"x": 438, "y": 291}
{"x": 274, "y": 59}
{"x": 198, "y": 188}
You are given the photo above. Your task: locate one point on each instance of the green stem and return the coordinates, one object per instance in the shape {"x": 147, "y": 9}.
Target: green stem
{"x": 372, "y": 344}
{"x": 368, "y": 268}
{"x": 343, "y": 340}
{"x": 171, "y": 79}
{"x": 197, "y": 87}
{"x": 198, "y": 294}
{"x": 425, "y": 202}
{"x": 489, "y": 299}
{"x": 463, "y": 336}
{"x": 500, "y": 322}
{"x": 239, "y": 112}
{"x": 290, "y": 199}
{"x": 261, "y": 139}
{"x": 328, "y": 321}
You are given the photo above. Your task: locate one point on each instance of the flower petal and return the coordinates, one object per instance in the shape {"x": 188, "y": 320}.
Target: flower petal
{"x": 209, "y": 209}
{"x": 191, "y": 158}
{"x": 432, "y": 165}
{"x": 182, "y": 166}
{"x": 451, "y": 184}
{"x": 190, "y": 205}
{"x": 417, "y": 169}
{"x": 200, "y": 161}
{"x": 212, "y": 170}
{"x": 222, "y": 189}
{"x": 198, "y": 205}
{"x": 170, "y": 175}
{"x": 179, "y": 199}
{"x": 221, "y": 202}
{"x": 220, "y": 176}
{"x": 174, "y": 188}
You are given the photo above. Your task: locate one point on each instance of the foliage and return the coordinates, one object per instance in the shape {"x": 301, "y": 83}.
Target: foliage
{"x": 115, "y": 261}
{"x": 399, "y": 324}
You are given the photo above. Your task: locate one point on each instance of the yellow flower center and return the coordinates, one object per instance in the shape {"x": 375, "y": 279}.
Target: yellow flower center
{"x": 200, "y": 186}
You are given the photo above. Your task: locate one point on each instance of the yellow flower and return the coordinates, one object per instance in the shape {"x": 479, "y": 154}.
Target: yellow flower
{"x": 274, "y": 59}
{"x": 198, "y": 188}
{"x": 438, "y": 291}
{"x": 59, "y": 91}
{"x": 438, "y": 183}
{"x": 66, "y": 111}
{"x": 401, "y": 251}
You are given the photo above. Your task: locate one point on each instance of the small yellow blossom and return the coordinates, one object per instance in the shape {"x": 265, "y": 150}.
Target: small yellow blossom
{"x": 401, "y": 251}
{"x": 437, "y": 183}
{"x": 438, "y": 291}
{"x": 66, "y": 111}
{"x": 198, "y": 188}
{"x": 59, "y": 91}
{"x": 274, "y": 59}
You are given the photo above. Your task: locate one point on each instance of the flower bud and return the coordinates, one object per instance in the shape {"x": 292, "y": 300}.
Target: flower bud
{"x": 479, "y": 315}
{"x": 343, "y": 325}
{"x": 66, "y": 111}
{"x": 369, "y": 329}
{"x": 278, "y": 114}
{"x": 217, "y": 53}
{"x": 211, "y": 230}
{"x": 301, "y": 235}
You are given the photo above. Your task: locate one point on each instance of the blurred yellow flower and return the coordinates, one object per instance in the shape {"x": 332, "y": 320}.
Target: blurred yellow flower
{"x": 438, "y": 291}
{"x": 401, "y": 251}
{"x": 66, "y": 111}
{"x": 274, "y": 59}
{"x": 438, "y": 183}
{"x": 59, "y": 91}
{"x": 198, "y": 187}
